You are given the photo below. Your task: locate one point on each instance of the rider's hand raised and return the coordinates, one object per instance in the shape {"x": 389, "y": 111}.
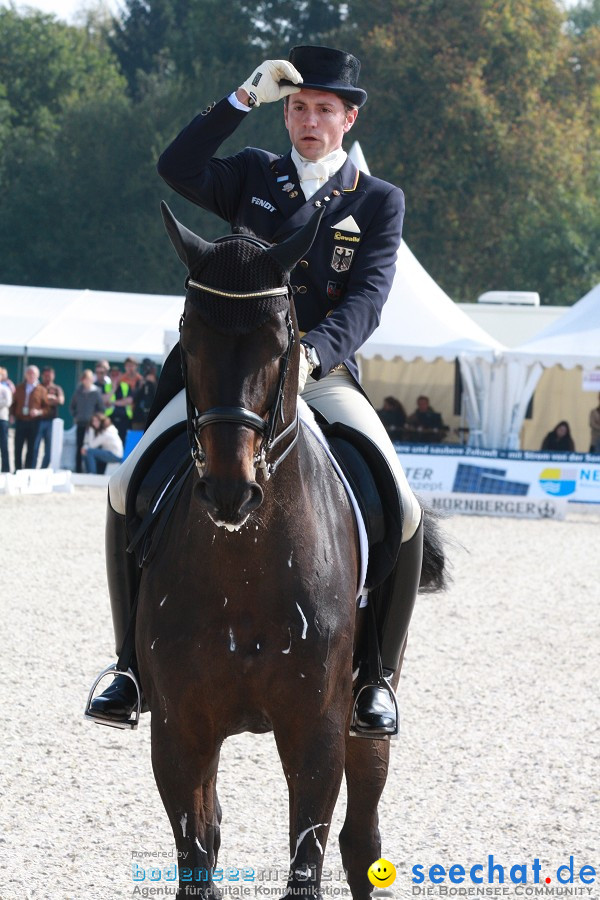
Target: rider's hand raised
{"x": 263, "y": 85}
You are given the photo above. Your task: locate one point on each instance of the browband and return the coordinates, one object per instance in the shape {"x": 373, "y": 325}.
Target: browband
{"x": 270, "y": 292}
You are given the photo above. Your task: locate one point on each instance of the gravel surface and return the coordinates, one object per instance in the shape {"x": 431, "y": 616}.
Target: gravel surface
{"x": 500, "y": 746}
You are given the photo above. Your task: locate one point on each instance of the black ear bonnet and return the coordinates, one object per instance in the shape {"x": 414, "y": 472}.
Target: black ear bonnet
{"x": 238, "y": 265}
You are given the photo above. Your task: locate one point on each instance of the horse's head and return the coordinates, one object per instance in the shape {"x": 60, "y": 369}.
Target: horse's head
{"x": 240, "y": 353}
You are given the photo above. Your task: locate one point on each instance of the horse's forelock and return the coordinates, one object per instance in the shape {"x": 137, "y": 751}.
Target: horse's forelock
{"x": 239, "y": 266}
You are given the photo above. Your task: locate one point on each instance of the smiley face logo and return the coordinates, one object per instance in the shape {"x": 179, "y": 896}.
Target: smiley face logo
{"x": 382, "y": 873}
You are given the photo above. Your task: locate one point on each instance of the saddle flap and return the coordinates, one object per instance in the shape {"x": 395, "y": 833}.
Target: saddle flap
{"x": 155, "y": 468}
{"x": 363, "y": 486}
{"x": 369, "y": 474}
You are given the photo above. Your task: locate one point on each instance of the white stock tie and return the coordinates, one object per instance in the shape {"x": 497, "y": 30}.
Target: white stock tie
{"x": 313, "y": 175}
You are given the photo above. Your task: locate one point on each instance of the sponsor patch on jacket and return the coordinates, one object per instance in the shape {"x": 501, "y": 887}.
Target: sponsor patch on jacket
{"x": 334, "y": 290}
{"x": 341, "y": 259}
{"x": 338, "y": 236}
{"x": 264, "y": 203}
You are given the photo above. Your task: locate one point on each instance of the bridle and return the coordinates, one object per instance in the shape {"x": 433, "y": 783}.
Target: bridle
{"x": 239, "y": 415}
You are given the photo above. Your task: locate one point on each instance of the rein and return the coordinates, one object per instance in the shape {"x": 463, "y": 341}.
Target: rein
{"x": 239, "y": 415}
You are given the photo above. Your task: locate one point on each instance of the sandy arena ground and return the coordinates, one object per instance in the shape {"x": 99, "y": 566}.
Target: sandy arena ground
{"x": 501, "y": 734}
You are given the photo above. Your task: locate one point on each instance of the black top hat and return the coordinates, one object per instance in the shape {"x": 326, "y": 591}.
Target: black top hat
{"x": 326, "y": 69}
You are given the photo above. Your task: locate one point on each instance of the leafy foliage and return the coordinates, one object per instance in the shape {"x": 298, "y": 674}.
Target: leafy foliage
{"x": 485, "y": 134}
{"x": 486, "y": 113}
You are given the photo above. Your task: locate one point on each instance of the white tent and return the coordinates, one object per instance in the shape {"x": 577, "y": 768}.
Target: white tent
{"x": 508, "y": 383}
{"x": 502, "y": 389}
{"x": 572, "y": 340}
{"x": 420, "y": 320}
{"x": 72, "y": 324}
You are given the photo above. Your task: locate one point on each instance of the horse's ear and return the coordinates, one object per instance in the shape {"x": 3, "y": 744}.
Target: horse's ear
{"x": 291, "y": 251}
{"x": 189, "y": 247}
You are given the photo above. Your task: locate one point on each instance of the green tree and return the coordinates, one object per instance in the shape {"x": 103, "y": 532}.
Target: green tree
{"x": 82, "y": 210}
{"x": 486, "y": 112}
{"x": 584, "y": 15}
{"x": 49, "y": 72}
{"x": 211, "y": 41}
{"x": 47, "y": 66}
{"x": 483, "y": 131}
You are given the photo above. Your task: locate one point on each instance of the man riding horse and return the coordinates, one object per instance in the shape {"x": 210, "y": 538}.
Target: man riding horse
{"x": 339, "y": 288}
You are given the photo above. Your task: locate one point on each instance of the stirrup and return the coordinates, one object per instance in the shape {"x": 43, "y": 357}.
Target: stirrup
{"x": 133, "y": 720}
{"x": 356, "y": 730}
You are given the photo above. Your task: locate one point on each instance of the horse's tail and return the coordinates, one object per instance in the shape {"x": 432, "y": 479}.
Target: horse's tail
{"x": 434, "y": 571}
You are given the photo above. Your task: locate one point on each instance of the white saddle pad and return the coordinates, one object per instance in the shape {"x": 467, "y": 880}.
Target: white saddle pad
{"x": 309, "y": 420}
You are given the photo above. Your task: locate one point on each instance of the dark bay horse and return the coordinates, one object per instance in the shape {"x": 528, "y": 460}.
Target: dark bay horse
{"x": 247, "y": 611}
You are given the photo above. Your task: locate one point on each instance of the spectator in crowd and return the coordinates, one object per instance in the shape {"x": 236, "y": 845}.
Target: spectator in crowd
{"x": 101, "y": 443}
{"x": 6, "y": 399}
{"x": 425, "y": 424}
{"x": 120, "y": 406}
{"x": 103, "y": 380}
{"x": 8, "y": 385}
{"x": 28, "y": 406}
{"x": 4, "y": 379}
{"x": 86, "y": 401}
{"x": 55, "y": 398}
{"x": 595, "y": 428}
{"x": 144, "y": 395}
{"x": 393, "y": 416}
{"x": 131, "y": 376}
{"x": 559, "y": 438}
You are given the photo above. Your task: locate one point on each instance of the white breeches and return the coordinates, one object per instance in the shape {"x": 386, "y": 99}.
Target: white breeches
{"x": 336, "y": 397}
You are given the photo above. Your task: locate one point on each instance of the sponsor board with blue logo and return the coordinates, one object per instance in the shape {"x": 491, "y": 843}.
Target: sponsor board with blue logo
{"x": 559, "y": 482}
{"x": 445, "y": 469}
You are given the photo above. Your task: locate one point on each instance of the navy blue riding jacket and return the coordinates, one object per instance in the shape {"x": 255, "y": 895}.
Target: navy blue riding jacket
{"x": 345, "y": 278}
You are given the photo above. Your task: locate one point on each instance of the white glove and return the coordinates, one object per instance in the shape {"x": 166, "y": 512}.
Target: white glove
{"x": 304, "y": 370}
{"x": 263, "y": 85}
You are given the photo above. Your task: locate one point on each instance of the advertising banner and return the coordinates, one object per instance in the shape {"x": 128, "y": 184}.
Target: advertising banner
{"x": 590, "y": 380}
{"x": 443, "y": 469}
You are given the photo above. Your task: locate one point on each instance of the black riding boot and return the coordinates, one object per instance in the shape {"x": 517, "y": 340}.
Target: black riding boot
{"x": 375, "y": 710}
{"x": 118, "y": 702}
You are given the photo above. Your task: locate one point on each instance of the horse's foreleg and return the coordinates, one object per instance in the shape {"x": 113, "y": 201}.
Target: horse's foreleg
{"x": 312, "y": 759}
{"x": 367, "y": 764}
{"x": 185, "y": 770}
{"x": 360, "y": 841}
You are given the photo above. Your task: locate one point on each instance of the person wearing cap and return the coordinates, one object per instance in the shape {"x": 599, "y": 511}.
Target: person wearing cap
{"x": 339, "y": 288}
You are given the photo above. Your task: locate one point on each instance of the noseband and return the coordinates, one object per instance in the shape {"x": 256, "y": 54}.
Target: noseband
{"x": 238, "y": 415}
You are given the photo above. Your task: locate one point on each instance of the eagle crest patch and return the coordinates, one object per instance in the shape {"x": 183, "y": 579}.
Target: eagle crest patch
{"x": 341, "y": 259}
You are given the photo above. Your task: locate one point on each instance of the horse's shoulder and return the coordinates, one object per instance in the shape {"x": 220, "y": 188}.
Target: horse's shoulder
{"x": 316, "y": 465}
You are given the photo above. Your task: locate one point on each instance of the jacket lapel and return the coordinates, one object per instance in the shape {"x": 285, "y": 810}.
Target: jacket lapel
{"x": 282, "y": 171}
{"x": 342, "y": 189}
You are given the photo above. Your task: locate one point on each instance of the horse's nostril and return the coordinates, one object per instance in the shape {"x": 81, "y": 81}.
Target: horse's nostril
{"x": 255, "y": 498}
{"x": 228, "y": 501}
{"x": 203, "y": 493}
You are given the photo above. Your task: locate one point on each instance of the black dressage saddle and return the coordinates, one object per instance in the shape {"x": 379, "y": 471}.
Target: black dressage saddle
{"x": 165, "y": 465}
